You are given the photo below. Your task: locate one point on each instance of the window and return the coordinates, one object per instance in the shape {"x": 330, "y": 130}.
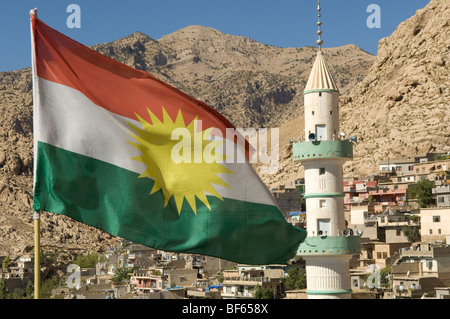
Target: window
{"x": 436, "y": 219}
{"x": 331, "y": 112}
{"x": 431, "y": 232}
{"x": 322, "y": 171}
{"x": 399, "y": 232}
{"x": 440, "y": 199}
{"x": 439, "y": 231}
{"x": 312, "y": 112}
{"x": 411, "y": 167}
{"x": 323, "y": 203}
{"x": 378, "y": 255}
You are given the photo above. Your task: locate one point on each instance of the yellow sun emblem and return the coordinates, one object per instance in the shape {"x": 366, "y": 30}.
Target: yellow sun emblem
{"x": 184, "y": 169}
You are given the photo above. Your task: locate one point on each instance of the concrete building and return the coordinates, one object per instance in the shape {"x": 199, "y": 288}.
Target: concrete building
{"x": 442, "y": 194}
{"x": 328, "y": 246}
{"x": 434, "y": 224}
{"x": 242, "y": 284}
{"x": 421, "y": 270}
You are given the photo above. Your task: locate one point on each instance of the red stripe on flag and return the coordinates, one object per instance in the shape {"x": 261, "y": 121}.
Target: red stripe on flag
{"x": 112, "y": 85}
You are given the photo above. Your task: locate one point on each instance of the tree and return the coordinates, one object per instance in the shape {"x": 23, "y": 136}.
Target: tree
{"x": 422, "y": 192}
{"x": 121, "y": 274}
{"x": 412, "y": 233}
{"x": 296, "y": 279}
{"x": 88, "y": 261}
{"x": 30, "y": 289}
{"x": 48, "y": 286}
{"x": 2, "y": 288}
{"x": 6, "y": 263}
{"x": 263, "y": 293}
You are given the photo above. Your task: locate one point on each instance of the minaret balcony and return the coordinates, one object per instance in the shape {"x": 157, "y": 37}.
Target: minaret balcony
{"x": 330, "y": 245}
{"x": 304, "y": 151}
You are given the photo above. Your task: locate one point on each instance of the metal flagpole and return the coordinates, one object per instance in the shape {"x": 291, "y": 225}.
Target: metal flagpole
{"x": 37, "y": 255}
{"x": 36, "y": 215}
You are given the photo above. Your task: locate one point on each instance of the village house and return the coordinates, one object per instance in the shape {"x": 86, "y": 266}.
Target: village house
{"x": 442, "y": 194}
{"x": 242, "y": 283}
{"x": 435, "y": 224}
{"x": 420, "y": 270}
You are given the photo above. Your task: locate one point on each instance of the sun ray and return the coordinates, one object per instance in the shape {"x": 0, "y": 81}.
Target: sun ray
{"x": 184, "y": 181}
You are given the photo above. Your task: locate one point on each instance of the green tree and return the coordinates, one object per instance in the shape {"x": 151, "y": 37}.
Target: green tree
{"x": 296, "y": 279}
{"x": 30, "y": 289}
{"x": 384, "y": 274}
{"x": 2, "y": 288}
{"x": 422, "y": 192}
{"x": 121, "y": 274}
{"x": 87, "y": 261}
{"x": 263, "y": 293}
{"x": 6, "y": 263}
{"x": 48, "y": 286}
{"x": 412, "y": 233}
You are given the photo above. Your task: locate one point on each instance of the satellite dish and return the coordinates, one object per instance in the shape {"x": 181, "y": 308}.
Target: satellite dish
{"x": 359, "y": 232}
{"x": 312, "y": 137}
{"x": 341, "y": 134}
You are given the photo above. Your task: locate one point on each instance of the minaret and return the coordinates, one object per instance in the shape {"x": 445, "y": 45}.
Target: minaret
{"x": 329, "y": 244}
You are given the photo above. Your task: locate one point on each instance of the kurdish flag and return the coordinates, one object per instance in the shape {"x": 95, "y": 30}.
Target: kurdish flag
{"x": 113, "y": 150}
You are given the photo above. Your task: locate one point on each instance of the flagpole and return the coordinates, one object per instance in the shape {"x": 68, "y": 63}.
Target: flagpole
{"x": 36, "y": 215}
{"x": 37, "y": 255}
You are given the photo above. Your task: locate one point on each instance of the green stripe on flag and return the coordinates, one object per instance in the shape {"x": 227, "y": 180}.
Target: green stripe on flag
{"x": 115, "y": 200}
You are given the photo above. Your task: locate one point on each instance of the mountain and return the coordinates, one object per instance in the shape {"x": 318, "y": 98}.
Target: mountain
{"x": 402, "y": 107}
{"x": 253, "y": 84}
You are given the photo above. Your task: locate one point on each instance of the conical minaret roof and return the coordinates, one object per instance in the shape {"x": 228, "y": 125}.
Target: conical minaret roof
{"x": 320, "y": 78}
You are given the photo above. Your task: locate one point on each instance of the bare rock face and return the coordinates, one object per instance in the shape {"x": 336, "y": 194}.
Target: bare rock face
{"x": 402, "y": 107}
{"x": 253, "y": 84}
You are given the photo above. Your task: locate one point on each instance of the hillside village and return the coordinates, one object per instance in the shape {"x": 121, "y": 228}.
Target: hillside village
{"x": 404, "y": 251}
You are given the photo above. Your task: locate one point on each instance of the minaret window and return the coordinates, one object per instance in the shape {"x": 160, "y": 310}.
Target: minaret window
{"x": 322, "y": 171}
{"x": 323, "y": 203}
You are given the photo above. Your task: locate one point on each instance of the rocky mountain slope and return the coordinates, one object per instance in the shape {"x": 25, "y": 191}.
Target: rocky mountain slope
{"x": 402, "y": 107}
{"x": 252, "y": 84}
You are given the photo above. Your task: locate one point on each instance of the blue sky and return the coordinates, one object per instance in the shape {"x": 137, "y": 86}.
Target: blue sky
{"x": 283, "y": 23}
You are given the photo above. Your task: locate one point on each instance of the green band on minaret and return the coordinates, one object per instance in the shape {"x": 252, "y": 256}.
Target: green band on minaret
{"x": 320, "y": 90}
